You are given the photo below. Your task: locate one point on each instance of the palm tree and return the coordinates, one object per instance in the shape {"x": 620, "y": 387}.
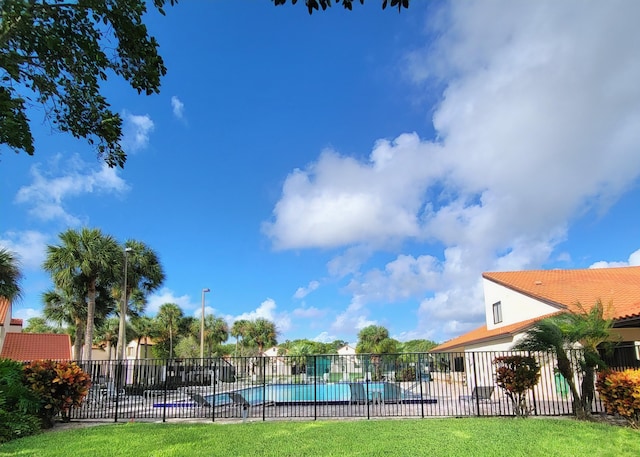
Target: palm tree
{"x": 262, "y": 332}
{"x": 69, "y": 307}
{"x": 144, "y": 328}
{"x": 170, "y": 315}
{"x": 216, "y": 332}
{"x": 144, "y": 275}
{"x": 10, "y": 275}
{"x": 107, "y": 334}
{"x": 88, "y": 254}
{"x": 375, "y": 340}
{"x": 559, "y": 334}
{"x": 239, "y": 329}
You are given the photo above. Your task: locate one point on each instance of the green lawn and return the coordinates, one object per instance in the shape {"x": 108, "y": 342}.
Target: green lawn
{"x": 388, "y": 438}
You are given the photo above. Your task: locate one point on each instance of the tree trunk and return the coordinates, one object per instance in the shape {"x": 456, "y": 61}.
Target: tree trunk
{"x": 78, "y": 343}
{"x": 91, "y": 311}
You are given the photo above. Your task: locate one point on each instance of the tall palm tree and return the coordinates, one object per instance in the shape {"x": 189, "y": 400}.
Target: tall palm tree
{"x": 69, "y": 307}
{"x": 144, "y": 275}
{"x": 239, "y": 329}
{"x": 559, "y": 334}
{"x": 107, "y": 334}
{"x": 169, "y": 315}
{"x": 262, "y": 332}
{"x": 88, "y": 254}
{"x": 10, "y": 275}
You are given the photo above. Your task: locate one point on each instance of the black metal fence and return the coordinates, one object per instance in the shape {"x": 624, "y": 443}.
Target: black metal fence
{"x": 315, "y": 387}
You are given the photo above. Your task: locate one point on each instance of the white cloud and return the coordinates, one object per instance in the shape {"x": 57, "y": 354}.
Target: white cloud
{"x": 64, "y": 179}
{"x": 355, "y": 317}
{"x": 178, "y": 107}
{"x": 166, "y": 295}
{"x": 310, "y": 312}
{"x": 26, "y": 313}
{"x": 633, "y": 261}
{"x": 266, "y": 310}
{"x": 304, "y": 291}
{"x": 30, "y": 246}
{"x": 537, "y": 125}
{"x": 136, "y": 131}
{"x": 324, "y": 337}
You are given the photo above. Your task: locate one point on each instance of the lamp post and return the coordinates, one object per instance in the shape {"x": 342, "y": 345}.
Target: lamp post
{"x": 122, "y": 328}
{"x": 202, "y": 325}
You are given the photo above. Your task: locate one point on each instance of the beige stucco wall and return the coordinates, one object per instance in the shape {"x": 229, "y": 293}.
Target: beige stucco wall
{"x": 515, "y": 306}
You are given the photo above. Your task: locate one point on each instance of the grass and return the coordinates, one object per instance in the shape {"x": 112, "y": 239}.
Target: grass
{"x": 388, "y": 438}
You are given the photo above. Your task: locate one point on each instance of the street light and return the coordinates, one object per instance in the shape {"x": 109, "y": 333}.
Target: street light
{"x": 202, "y": 325}
{"x": 122, "y": 330}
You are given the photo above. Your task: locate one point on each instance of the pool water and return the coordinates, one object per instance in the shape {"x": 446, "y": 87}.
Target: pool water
{"x": 338, "y": 392}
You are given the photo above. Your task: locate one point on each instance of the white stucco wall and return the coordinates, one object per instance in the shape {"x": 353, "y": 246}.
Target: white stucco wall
{"x": 515, "y": 306}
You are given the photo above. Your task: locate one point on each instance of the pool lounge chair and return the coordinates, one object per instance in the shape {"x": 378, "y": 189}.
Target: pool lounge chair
{"x": 392, "y": 393}
{"x": 358, "y": 394}
{"x": 480, "y": 393}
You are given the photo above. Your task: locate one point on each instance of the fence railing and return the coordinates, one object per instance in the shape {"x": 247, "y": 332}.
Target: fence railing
{"x": 315, "y": 387}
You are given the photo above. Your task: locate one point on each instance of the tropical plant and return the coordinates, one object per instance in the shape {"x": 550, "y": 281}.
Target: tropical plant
{"x": 89, "y": 257}
{"x": 69, "y": 307}
{"x": 261, "y": 333}
{"x": 239, "y": 330}
{"x": 216, "y": 332}
{"x": 61, "y": 386}
{"x": 620, "y": 393}
{"x": 517, "y": 374}
{"x": 144, "y": 328}
{"x": 10, "y": 275}
{"x": 562, "y": 334}
{"x": 107, "y": 336}
{"x": 144, "y": 275}
{"x": 18, "y": 404}
{"x": 170, "y": 315}
{"x": 41, "y": 325}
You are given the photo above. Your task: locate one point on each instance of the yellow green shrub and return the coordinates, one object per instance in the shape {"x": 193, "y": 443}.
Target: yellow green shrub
{"x": 620, "y": 394}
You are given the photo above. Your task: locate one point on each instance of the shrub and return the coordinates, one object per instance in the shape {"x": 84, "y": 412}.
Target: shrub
{"x": 18, "y": 404}
{"x": 60, "y": 386}
{"x": 406, "y": 374}
{"x": 620, "y": 393}
{"x": 517, "y": 374}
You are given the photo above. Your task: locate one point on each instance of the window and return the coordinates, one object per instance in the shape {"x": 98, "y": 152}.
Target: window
{"x": 497, "y": 313}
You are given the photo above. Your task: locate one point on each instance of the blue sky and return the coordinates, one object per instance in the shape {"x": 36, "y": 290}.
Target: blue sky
{"x": 343, "y": 169}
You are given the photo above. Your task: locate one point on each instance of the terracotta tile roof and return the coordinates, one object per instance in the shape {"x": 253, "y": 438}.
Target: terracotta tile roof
{"x": 16, "y": 321}
{"x": 481, "y": 335}
{"x": 618, "y": 286}
{"x": 4, "y": 308}
{"x": 36, "y": 346}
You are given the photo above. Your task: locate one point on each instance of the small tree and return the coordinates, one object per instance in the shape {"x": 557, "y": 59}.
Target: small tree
{"x": 517, "y": 374}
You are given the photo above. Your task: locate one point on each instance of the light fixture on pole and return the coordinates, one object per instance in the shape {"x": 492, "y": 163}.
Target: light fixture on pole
{"x": 202, "y": 325}
{"x": 122, "y": 330}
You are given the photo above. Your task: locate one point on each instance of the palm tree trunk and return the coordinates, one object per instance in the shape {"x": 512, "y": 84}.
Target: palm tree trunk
{"x": 78, "y": 343}
{"x": 91, "y": 311}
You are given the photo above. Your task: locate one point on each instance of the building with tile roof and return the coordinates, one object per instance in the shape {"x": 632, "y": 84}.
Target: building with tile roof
{"x": 516, "y": 300}
{"x": 29, "y": 346}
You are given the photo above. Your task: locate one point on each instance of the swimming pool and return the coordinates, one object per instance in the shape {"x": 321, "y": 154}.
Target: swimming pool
{"x": 339, "y": 392}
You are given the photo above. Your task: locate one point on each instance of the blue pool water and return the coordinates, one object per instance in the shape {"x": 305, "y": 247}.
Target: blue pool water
{"x": 306, "y": 393}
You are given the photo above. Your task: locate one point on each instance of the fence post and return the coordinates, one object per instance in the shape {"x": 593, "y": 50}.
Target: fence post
{"x": 264, "y": 387}
{"x": 117, "y": 386}
{"x": 166, "y": 377}
{"x": 419, "y": 376}
{"x": 315, "y": 387}
{"x": 214, "y": 382}
{"x": 475, "y": 382}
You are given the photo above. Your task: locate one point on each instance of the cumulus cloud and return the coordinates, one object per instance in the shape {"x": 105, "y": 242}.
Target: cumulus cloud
{"x": 178, "y": 107}
{"x": 266, "y": 310}
{"x": 632, "y": 261}
{"x": 136, "y": 131}
{"x": 304, "y": 291}
{"x": 324, "y": 337}
{"x": 536, "y": 126}
{"x": 62, "y": 180}
{"x": 166, "y": 295}
{"x": 30, "y": 247}
{"x": 310, "y": 312}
